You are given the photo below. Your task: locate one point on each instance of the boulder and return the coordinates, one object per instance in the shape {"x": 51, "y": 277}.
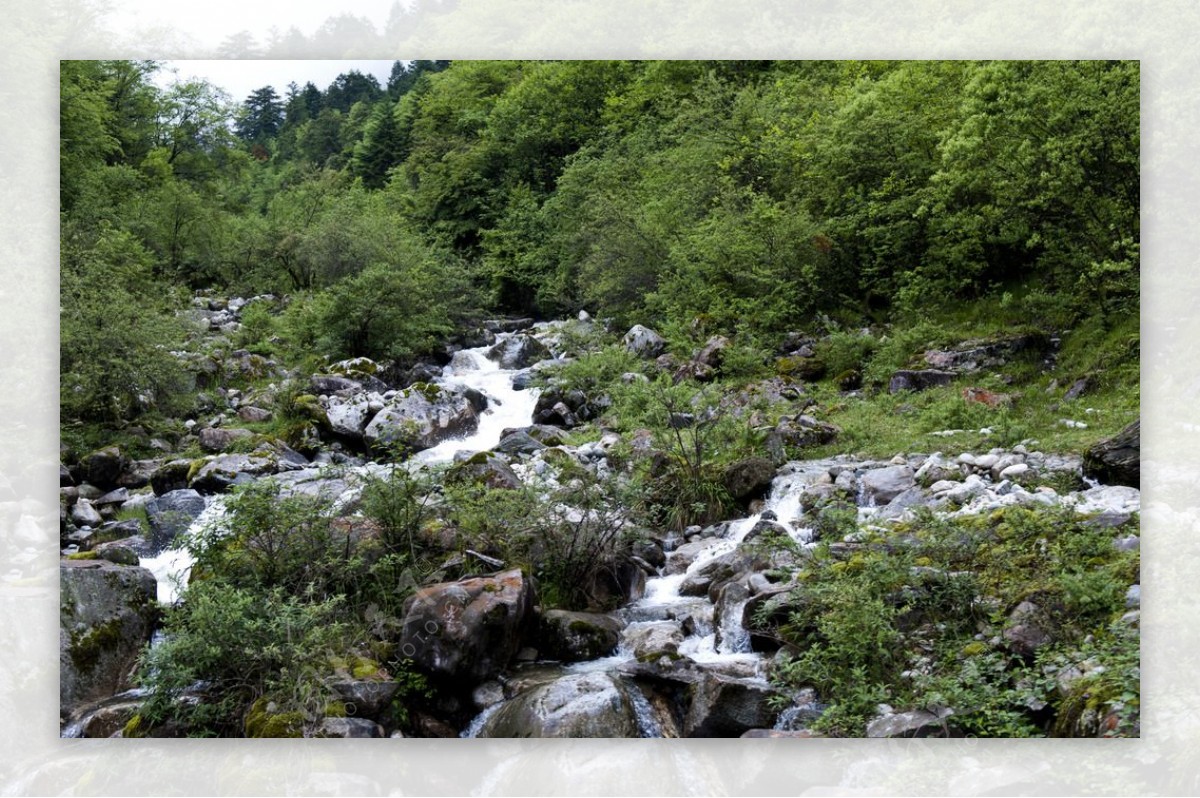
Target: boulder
{"x": 357, "y": 728}
{"x": 650, "y": 640}
{"x": 577, "y": 705}
{"x": 485, "y": 468}
{"x": 219, "y": 439}
{"x": 348, "y": 415}
{"x": 713, "y": 352}
{"x": 724, "y": 706}
{"x": 518, "y": 352}
{"x": 577, "y": 636}
{"x": 107, "y": 613}
{"x": 1116, "y": 460}
{"x": 221, "y": 473}
{"x": 915, "y": 723}
{"x": 326, "y": 384}
{"x": 749, "y": 478}
{"x": 906, "y": 380}
{"x": 469, "y": 629}
{"x": 170, "y": 476}
{"x": 254, "y": 415}
{"x": 103, "y": 467}
{"x": 644, "y": 342}
{"x": 84, "y": 514}
{"x": 1025, "y": 632}
{"x": 171, "y": 514}
{"x": 799, "y": 432}
{"x": 366, "y": 698}
{"x": 519, "y": 442}
{"x": 881, "y": 485}
{"x": 421, "y": 417}
{"x": 713, "y": 575}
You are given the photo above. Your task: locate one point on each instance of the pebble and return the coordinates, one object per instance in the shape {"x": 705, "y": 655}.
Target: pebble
{"x": 1015, "y": 470}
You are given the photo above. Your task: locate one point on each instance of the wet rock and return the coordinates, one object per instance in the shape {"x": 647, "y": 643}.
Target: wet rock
{"x": 908, "y": 380}
{"x": 468, "y": 629}
{"x": 683, "y": 556}
{"x": 916, "y": 723}
{"x": 779, "y": 733}
{"x": 485, "y": 468}
{"x": 171, "y": 514}
{"x": 107, "y": 613}
{"x": 651, "y": 640}
{"x": 723, "y": 706}
{"x": 1116, "y": 460}
{"x": 577, "y": 636}
{"x": 577, "y": 705}
{"x": 713, "y": 575}
{"x": 749, "y": 478}
{"x": 644, "y": 342}
{"x": 518, "y": 352}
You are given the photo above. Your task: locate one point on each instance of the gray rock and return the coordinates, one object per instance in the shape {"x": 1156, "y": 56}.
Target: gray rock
{"x": 518, "y": 352}
{"x": 578, "y": 705}
{"x": 917, "y": 723}
{"x": 223, "y": 472}
{"x": 171, "y": 514}
{"x": 421, "y": 417}
{"x": 365, "y": 698}
{"x": 644, "y": 342}
{"x": 254, "y": 414}
{"x": 748, "y": 478}
{"x": 1116, "y": 460}
{"x": 519, "y": 442}
{"x": 103, "y": 467}
{"x": 651, "y": 640}
{"x": 348, "y": 415}
{"x": 107, "y": 613}
{"x": 881, "y": 485}
{"x": 217, "y": 439}
{"x": 84, "y": 514}
{"x": 357, "y": 728}
{"x": 722, "y": 706}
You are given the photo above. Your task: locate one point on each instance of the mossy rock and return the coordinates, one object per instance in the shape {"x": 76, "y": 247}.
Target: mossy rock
{"x": 263, "y": 721}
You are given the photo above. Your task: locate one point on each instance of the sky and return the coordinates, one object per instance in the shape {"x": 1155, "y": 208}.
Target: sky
{"x": 239, "y": 78}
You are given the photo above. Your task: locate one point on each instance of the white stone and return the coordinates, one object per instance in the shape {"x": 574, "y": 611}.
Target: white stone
{"x": 1015, "y": 470}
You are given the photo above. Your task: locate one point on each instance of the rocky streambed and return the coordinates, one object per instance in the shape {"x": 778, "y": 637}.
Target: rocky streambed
{"x": 682, "y": 655}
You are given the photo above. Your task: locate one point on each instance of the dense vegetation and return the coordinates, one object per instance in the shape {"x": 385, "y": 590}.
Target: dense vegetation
{"x": 874, "y": 209}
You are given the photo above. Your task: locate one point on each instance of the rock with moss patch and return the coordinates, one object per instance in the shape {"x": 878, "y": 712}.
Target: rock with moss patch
{"x": 485, "y": 468}
{"x": 748, "y": 478}
{"x": 577, "y": 636}
{"x": 421, "y": 417}
{"x": 107, "y": 613}
{"x": 104, "y": 467}
{"x": 644, "y": 342}
{"x": 518, "y": 351}
{"x": 221, "y": 473}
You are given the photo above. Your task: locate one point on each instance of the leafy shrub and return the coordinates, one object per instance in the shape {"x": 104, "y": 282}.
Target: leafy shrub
{"x": 845, "y": 351}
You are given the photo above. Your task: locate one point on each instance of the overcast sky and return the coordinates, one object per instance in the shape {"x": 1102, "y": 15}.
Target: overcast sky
{"x": 239, "y": 78}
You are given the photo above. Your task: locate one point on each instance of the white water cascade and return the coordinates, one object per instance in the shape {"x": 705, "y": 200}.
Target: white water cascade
{"x": 469, "y": 368}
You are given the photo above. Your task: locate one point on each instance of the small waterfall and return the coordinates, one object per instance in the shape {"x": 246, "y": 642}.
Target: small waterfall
{"x": 476, "y": 724}
{"x": 647, "y": 722}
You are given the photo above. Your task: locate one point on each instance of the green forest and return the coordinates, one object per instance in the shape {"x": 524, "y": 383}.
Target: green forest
{"x": 801, "y": 238}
